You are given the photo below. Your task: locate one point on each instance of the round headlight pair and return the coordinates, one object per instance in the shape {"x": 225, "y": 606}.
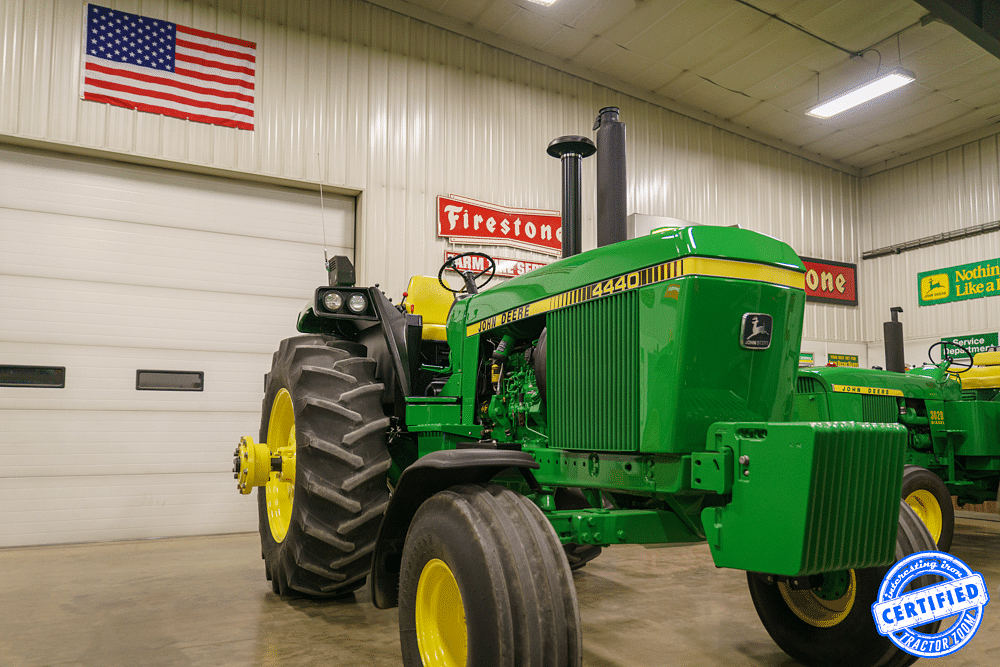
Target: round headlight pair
{"x": 356, "y": 303}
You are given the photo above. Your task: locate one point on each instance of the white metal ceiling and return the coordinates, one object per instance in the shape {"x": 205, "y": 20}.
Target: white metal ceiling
{"x": 748, "y": 69}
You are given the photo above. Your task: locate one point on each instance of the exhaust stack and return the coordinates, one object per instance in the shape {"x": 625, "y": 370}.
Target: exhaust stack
{"x": 894, "y": 342}
{"x": 571, "y": 150}
{"x": 612, "y": 198}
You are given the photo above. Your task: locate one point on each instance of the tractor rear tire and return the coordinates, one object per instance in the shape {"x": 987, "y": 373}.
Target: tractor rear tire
{"x": 927, "y": 495}
{"x": 484, "y": 582}
{"x": 839, "y": 632}
{"x": 340, "y": 493}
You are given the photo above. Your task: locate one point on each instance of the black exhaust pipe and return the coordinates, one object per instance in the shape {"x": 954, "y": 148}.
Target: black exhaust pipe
{"x": 894, "y": 342}
{"x": 571, "y": 149}
{"x": 612, "y": 198}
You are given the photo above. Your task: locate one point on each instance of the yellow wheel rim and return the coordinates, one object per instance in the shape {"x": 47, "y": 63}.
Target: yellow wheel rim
{"x": 440, "y": 617}
{"x": 816, "y": 610}
{"x": 281, "y": 442}
{"x": 928, "y": 510}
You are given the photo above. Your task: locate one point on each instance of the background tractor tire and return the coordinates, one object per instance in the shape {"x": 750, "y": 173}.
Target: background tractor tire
{"x": 341, "y": 460}
{"x": 927, "y": 495}
{"x": 849, "y": 638}
{"x": 484, "y": 582}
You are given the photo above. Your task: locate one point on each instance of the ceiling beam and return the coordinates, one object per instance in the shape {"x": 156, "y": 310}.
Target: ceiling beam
{"x": 979, "y": 20}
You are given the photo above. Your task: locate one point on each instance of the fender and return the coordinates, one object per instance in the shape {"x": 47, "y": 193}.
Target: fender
{"x": 430, "y": 474}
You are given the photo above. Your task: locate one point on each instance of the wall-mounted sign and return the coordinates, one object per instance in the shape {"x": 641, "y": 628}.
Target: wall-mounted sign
{"x": 805, "y": 359}
{"x": 843, "y": 359}
{"x": 508, "y": 268}
{"x": 463, "y": 220}
{"x": 958, "y": 283}
{"x": 831, "y": 282}
{"x": 975, "y": 344}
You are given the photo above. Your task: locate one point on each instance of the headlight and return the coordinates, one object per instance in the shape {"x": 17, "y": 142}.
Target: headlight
{"x": 333, "y": 301}
{"x": 357, "y": 303}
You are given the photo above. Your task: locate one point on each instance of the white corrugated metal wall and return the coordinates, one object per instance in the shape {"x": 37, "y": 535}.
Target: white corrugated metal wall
{"x": 369, "y": 101}
{"x": 952, "y": 190}
{"x": 365, "y": 99}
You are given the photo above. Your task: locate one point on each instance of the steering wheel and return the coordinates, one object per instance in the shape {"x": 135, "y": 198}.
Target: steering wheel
{"x": 947, "y": 357}
{"x": 470, "y": 278}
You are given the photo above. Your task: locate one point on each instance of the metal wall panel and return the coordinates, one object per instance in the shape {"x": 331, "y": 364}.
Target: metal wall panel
{"x": 362, "y": 98}
{"x": 951, "y": 190}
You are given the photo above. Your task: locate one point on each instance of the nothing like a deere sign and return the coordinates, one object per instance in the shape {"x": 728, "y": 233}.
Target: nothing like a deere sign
{"x": 959, "y": 283}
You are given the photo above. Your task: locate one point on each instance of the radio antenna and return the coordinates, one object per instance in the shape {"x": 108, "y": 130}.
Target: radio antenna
{"x": 322, "y": 219}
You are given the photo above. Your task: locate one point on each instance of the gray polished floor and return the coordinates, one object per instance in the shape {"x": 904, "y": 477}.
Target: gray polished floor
{"x": 204, "y": 601}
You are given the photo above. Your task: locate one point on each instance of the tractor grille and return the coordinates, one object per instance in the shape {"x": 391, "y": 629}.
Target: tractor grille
{"x": 879, "y": 409}
{"x": 593, "y": 371}
{"x": 808, "y": 385}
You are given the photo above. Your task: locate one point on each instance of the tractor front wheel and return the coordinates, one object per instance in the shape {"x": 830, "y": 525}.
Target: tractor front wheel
{"x": 323, "y": 425}
{"x": 930, "y": 499}
{"x": 484, "y": 582}
{"x": 832, "y": 625}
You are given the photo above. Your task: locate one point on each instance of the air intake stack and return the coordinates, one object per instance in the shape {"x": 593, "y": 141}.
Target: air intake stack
{"x": 571, "y": 150}
{"x": 894, "y": 342}
{"x": 612, "y": 198}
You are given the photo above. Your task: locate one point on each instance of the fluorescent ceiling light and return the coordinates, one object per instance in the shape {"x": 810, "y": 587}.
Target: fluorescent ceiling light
{"x": 542, "y": 2}
{"x": 880, "y": 85}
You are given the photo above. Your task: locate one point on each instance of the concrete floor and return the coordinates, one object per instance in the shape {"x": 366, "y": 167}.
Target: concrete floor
{"x": 204, "y": 601}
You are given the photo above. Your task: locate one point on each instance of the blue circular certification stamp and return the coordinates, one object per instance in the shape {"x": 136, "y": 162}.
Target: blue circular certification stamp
{"x": 957, "y": 592}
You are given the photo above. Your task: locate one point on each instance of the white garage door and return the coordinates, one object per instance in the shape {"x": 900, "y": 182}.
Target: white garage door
{"x": 107, "y": 269}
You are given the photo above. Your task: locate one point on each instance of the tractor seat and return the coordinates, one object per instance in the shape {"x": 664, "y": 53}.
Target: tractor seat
{"x": 426, "y": 297}
{"x": 985, "y": 372}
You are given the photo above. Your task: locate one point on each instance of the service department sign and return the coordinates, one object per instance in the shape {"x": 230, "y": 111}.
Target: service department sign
{"x": 959, "y": 283}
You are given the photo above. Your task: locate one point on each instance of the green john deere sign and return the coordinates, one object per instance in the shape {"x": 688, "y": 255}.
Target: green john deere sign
{"x": 975, "y": 344}
{"x": 958, "y": 283}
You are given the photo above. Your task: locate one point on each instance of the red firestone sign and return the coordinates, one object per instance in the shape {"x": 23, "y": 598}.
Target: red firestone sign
{"x": 831, "y": 282}
{"x": 508, "y": 268}
{"x": 463, "y": 220}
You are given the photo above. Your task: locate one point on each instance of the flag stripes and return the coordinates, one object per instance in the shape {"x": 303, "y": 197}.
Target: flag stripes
{"x": 132, "y": 61}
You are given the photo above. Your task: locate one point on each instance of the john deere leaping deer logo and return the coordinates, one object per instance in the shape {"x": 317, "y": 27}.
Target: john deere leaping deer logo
{"x": 934, "y": 287}
{"x": 756, "y": 331}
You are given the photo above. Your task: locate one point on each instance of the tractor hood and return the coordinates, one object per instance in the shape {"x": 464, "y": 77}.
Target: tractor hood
{"x": 732, "y": 249}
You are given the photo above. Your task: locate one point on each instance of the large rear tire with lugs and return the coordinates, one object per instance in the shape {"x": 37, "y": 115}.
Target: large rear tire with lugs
{"x": 322, "y": 409}
{"x": 832, "y": 625}
{"x": 484, "y": 582}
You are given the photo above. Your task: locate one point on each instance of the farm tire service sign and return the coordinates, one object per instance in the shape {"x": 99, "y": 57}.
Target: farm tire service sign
{"x": 463, "y": 220}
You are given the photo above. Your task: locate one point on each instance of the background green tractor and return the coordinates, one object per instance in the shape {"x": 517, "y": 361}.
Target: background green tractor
{"x": 951, "y": 412}
{"x": 637, "y": 393}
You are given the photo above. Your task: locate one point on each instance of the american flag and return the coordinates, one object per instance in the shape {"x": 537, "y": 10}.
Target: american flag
{"x": 160, "y": 67}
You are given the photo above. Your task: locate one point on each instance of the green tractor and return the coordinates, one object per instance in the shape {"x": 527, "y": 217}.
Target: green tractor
{"x": 458, "y": 451}
{"x": 951, "y": 411}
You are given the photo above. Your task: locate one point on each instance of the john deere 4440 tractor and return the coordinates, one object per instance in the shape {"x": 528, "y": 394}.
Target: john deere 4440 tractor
{"x": 453, "y": 450}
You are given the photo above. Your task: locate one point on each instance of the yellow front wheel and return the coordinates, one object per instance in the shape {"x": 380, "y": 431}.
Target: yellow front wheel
{"x": 930, "y": 500}
{"x": 827, "y": 621}
{"x": 440, "y": 617}
{"x": 484, "y": 581}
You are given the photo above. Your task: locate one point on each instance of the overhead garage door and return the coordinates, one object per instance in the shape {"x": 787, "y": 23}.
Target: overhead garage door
{"x": 107, "y": 269}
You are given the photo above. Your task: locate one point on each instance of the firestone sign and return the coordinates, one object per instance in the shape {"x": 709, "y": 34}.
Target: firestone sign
{"x": 463, "y": 220}
{"x": 831, "y": 282}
